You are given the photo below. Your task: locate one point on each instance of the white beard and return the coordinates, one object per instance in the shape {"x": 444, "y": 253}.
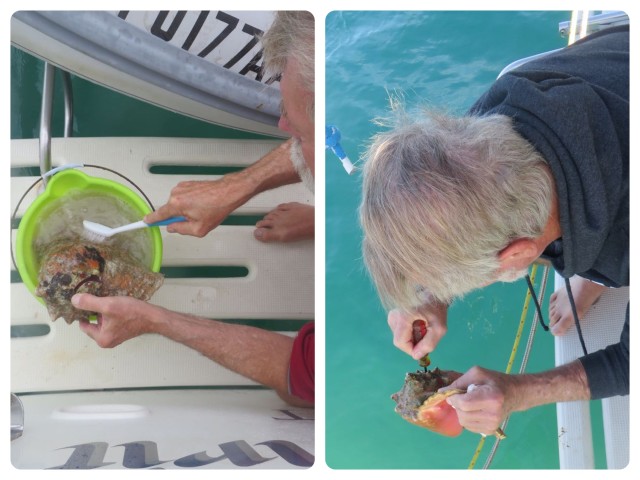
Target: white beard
{"x": 512, "y": 275}
{"x": 303, "y": 170}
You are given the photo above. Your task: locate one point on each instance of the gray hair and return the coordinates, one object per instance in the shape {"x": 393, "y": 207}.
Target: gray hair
{"x": 291, "y": 36}
{"x": 442, "y": 196}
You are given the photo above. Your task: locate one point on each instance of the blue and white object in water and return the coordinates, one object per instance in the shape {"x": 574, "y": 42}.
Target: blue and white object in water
{"x": 332, "y": 141}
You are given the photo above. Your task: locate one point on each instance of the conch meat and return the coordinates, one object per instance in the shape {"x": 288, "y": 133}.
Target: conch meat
{"x": 70, "y": 267}
{"x": 420, "y": 403}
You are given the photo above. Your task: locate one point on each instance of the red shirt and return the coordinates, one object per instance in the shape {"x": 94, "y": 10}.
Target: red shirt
{"x": 302, "y": 364}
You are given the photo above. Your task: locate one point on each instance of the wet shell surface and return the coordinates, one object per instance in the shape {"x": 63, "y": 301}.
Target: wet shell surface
{"x": 71, "y": 267}
{"x": 419, "y": 402}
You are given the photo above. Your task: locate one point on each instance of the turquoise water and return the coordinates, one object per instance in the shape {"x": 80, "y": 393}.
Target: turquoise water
{"x": 445, "y": 60}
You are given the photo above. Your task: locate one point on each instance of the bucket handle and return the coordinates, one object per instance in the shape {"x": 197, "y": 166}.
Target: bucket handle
{"x": 53, "y": 171}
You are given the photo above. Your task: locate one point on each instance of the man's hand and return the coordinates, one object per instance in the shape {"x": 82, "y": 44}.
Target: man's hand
{"x": 490, "y": 398}
{"x": 496, "y": 395}
{"x": 205, "y": 204}
{"x": 119, "y": 318}
{"x": 401, "y": 324}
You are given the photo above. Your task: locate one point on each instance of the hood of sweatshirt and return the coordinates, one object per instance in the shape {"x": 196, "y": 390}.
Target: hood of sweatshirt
{"x": 573, "y": 106}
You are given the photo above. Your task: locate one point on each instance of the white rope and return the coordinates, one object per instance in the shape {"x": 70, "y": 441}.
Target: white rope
{"x": 581, "y": 17}
{"x": 585, "y": 23}
{"x": 573, "y": 26}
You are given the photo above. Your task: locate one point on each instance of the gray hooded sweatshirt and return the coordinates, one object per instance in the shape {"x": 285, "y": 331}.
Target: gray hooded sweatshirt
{"x": 573, "y": 106}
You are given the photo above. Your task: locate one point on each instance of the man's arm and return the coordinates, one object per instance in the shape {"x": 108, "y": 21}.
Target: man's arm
{"x": 207, "y": 203}
{"x": 258, "y": 354}
{"x": 600, "y": 374}
{"x": 608, "y": 369}
{"x": 273, "y": 170}
{"x": 496, "y": 395}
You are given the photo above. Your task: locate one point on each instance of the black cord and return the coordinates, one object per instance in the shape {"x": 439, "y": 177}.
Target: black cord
{"x": 573, "y": 310}
{"x": 535, "y": 300}
{"x": 575, "y": 314}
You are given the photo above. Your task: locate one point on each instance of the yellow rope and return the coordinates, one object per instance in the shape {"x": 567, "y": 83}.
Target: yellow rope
{"x": 516, "y": 343}
{"x": 474, "y": 459}
{"x": 523, "y": 317}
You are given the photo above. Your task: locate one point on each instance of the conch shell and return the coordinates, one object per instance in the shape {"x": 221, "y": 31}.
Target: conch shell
{"x": 70, "y": 267}
{"x": 420, "y": 403}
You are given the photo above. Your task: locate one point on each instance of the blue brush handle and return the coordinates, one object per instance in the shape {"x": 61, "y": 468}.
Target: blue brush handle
{"x": 168, "y": 221}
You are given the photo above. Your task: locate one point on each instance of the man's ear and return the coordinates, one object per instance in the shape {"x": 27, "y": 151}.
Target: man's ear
{"x": 518, "y": 255}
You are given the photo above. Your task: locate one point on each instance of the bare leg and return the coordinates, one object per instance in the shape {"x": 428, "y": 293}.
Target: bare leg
{"x": 585, "y": 294}
{"x": 288, "y": 222}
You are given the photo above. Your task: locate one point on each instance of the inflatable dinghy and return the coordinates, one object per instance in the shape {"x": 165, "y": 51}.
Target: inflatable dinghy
{"x": 207, "y": 65}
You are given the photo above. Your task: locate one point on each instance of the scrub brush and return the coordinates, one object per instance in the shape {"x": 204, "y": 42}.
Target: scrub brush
{"x": 99, "y": 233}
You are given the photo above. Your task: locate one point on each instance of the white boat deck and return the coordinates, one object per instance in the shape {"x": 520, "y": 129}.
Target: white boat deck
{"x": 600, "y": 327}
{"x": 87, "y": 407}
{"x": 163, "y": 429}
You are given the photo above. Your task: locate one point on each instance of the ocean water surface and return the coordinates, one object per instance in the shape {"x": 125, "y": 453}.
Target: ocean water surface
{"x": 443, "y": 60}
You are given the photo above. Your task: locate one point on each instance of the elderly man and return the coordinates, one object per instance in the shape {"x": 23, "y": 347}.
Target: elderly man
{"x": 539, "y": 167}
{"x": 283, "y": 363}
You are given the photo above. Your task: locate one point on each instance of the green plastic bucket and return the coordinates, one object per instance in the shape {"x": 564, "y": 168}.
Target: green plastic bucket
{"x": 65, "y": 183}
